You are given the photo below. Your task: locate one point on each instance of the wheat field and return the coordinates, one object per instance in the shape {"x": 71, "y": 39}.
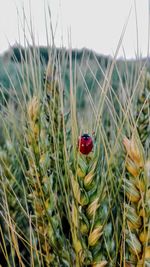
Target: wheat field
{"x": 74, "y": 159}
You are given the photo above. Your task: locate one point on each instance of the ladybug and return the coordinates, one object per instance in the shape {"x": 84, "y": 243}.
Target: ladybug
{"x": 85, "y": 144}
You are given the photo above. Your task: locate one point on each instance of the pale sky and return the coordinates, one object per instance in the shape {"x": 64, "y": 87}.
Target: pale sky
{"x": 95, "y": 24}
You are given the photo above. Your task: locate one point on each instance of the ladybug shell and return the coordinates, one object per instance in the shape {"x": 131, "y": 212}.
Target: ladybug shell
{"x": 85, "y": 144}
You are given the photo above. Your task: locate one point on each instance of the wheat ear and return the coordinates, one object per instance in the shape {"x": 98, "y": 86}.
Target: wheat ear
{"x": 88, "y": 229}
{"x": 137, "y": 204}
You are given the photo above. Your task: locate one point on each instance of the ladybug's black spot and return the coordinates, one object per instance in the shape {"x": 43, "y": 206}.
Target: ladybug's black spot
{"x": 85, "y": 136}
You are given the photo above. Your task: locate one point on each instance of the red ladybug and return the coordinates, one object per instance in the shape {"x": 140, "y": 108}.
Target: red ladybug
{"x": 85, "y": 144}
